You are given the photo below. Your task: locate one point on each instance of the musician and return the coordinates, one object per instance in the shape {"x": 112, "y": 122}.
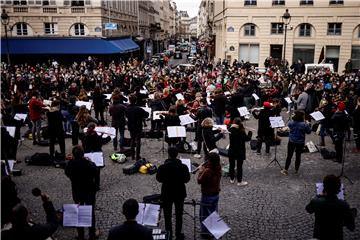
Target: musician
{"x": 35, "y": 111}
{"x": 171, "y": 119}
{"x": 83, "y": 118}
{"x": 135, "y": 116}
{"x": 219, "y": 102}
{"x": 209, "y": 178}
{"x": 117, "y": 112}
{"x": 209, "y": 135}
{"x": 173, "y": 175}
{"x": 180, "y": 107}
{"x": 265, "y": 132}
{"x": 99, "y": 104}
{"x": 298, "y": 129}
{"x": 237, "y": 150}
{"x": 331, "y": 213}
{"x": 156, "y": 105}
{"x": 341, "y": 124}
{"x": 203, "y": 112}
{"x": 356, "y": 121}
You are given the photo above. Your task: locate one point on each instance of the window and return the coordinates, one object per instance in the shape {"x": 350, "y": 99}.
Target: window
{"x": 334, "y": 28}
{"x": 77, "y": 3}
{"x": 249, "y": 30}
{"x": 359, "y": 32}
{"x": 333, "y": 2}
{"x": 79, "y": 29}
{"x": 50, "y": 28}
{"x": 21, "y": 29}
{"x": 20, "y": 3}
{"x": 250, "y": 2}
{"x": 249, "y": 53}
{"x": 306, "y": 2}
{"x": 278, "y": 2}
{"x": 304, "y": 52}
{"x": 277, "y": 28}
{"x": 305, "y": 30}
{"x": 355, "y": 57}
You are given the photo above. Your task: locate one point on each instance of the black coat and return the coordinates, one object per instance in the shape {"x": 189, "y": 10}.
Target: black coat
{"x": 82, "y": 174}
{"x": 98, "y": 101}
{"x": 219, "y": 104}
{"x": 55, "y": 123}
{"x": 135, "y": 116}
{"x": 93, "y": 142}
{"x": 130, "y": 230}
{"x": 173, "y": 175}
{"x": 210, "y": 137}
{"x": 117, "y": 113}
{"x": 237, "y": 147}
{"x": 264, "y": 129}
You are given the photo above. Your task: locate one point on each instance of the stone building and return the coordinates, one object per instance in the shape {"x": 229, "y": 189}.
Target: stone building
{"x": 252, "y": 30}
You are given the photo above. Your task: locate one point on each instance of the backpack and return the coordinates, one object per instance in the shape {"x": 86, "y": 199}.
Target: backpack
{"x": 253, "y": 144}
{"x": 326, "y": 154}
{"x": 39, "y": 159}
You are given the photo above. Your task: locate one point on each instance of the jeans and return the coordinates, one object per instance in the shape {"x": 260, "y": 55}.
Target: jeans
{"x": 247, "y": 101}
{"x": 179, "y": 208}
{"x": 239, "y": 170}
{"x": 210, "y": 204}
{"x": 69, "y": 118}
{"x": 298, "y": 148}
{"x": 135, "y": 143}
{"x": 36, "y": 127}
{"x": 121, "y": 131}
{"x": 219, "y": 119}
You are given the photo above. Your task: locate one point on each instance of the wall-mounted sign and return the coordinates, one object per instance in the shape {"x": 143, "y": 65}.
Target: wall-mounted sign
{"x": 230, "y": 29}
{"x": 97, "y": 29}
{"x": 111, "y": 26}
{"x": 232, "y": 48}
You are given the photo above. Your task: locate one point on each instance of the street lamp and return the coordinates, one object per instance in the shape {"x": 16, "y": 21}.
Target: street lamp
{"x": 5, "y": 19}
{"x": 286, "y": 18}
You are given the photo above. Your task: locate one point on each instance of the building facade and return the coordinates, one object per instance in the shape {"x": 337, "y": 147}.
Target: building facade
{"x": 193, "y": 27}
{"x": 252, "y": 30}
{"x": 184, "y": 31}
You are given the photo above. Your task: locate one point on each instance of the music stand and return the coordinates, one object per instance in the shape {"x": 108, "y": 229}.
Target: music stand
{"x": 194, "y": 203}
{"x": 342, "y": 173}
{"x": 276, "y": 122}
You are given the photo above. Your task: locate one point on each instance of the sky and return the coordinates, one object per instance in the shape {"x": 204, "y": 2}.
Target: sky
{"x": 191, "y": 6}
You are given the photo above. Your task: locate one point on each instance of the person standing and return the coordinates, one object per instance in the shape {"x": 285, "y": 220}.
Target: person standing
{"x": 135, "y": 116}
{"x": 130, "y": 229}
{"x": 117, "y": 112}
{"x": 331, "y": 213}
{"x": 219, "y": 103}
{"x": 210, "y": 136}
{"x": 298, "y": 129}
{"x": 209, "y": 178}
{"x": 265, "y": 132}
{"x": 82, "y": 174}
{"x": 356, "y": 124}
{"x": 35, "y": 111}
{"x": 237, "y": 150}
{"x": 55, "y": 128}
{"x": 203, "y": 112}
{"x": 340, "y": 122}
{"x": 173, "y": 175}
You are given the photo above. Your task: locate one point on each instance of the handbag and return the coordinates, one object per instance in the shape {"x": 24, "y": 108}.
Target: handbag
{"x": 215, "y": 150}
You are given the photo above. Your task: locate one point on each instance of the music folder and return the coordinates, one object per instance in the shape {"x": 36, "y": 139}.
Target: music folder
{"x": 148, "y": 214}
{"x": 176, "y": 131}
{"x": 77, "y": 215}
{"x": 317, "y": 116}
{"x": 276, "y": 122}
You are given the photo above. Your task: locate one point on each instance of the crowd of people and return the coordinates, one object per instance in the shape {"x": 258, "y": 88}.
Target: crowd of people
{"x": 208, "y": 90}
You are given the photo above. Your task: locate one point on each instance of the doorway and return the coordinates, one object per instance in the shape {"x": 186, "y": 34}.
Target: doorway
{"x": 276, "y": 53}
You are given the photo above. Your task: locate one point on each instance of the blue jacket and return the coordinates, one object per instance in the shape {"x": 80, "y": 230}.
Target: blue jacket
{"x": 298, "y": 131}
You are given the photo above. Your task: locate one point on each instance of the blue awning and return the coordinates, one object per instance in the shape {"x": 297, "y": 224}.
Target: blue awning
{"x": 67, "y": 46}
{"x": 126, "y": 44}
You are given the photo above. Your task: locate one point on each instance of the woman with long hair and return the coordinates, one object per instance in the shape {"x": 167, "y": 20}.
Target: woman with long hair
{"x": 237, "y": 150}
{"x": 298, "y": 129}
{"x": 83, "y": 118}
{"x": 210, "y": 136}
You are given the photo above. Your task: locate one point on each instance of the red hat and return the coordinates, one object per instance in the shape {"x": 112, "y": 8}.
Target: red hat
{"x": 267, "y": 105}
{"x": 341, "y": 106}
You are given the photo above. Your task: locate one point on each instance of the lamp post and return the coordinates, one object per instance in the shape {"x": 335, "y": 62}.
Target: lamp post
{"x": 286, "y": 18}
{"x": 5, "y": 19}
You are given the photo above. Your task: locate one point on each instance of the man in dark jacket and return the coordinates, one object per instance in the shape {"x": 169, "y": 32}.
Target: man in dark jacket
{"x": 21, "y": 229}
{"x": 173, "y": 175}
{"x": 55, "y": 128}
{"x": 340, "y": 122}
{"x": 82, "y": 174}
{"x": 203, "y": 112}
{"x": 331, "y": 213}
{"x": 219, "y": 104}
{"x": 117, "y": 113}
{"x": 135, "y": 116}
{"x": 130, "y": 229}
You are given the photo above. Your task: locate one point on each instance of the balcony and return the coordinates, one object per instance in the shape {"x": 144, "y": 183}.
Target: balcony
{"x": 21, "y": 9}
{"x": 77, "y": 10}
{"x": 49, "y": 10}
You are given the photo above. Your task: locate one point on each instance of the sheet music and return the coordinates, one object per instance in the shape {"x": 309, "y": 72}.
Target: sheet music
{"x": 255, "y": 96}
{"x": 223, "y": 127}
{"x": 96, "y": 157}
{"x": 156, "y": 114}
{"x": 311, "y": 146}
{"x": 151, "y": 96}
{"x": 77, "y": 216}
{"x": 216, "y": 226}
{"x": 176, "y": 132}
{"x": 186, "y": 162}
{"x": 147, "y": 109}
{"x": 288, "y": 100}
{"x": 227, "y": 93}
{"x": 142, "y": 91}
{"x": 47, "y": 102}
{"x": 108, "y": 96}
{"x": 179, "y": 96}
{"x": 148, "y": 214}
{"x": 320, "y": 188}
{"x": 106, "y": 131}
{"x": 186, "y": 119}
{"x": 20, "y": 116}
{"x": 243, "y": 111}
{"x": 11, "y": 131}
{"x": 317, "y": 116}
{"x": 83, "y": 103}
{"x": 276, "y": 122}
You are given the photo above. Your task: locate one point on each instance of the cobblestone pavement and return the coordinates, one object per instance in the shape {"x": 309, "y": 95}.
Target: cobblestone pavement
{"x": 272, "y": 206}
